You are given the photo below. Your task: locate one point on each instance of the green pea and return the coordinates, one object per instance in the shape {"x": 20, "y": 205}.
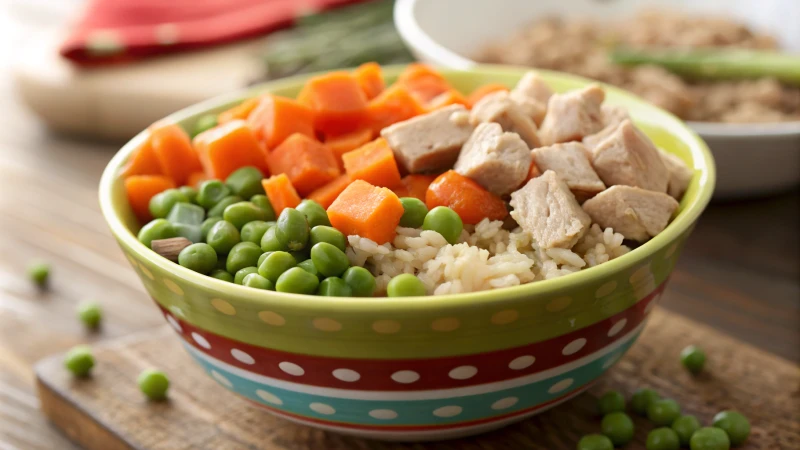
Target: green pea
{"x": 308, "y": 266}
{"x": 611, "y": 401}
{"x": 314, "y": 212}
{"x": 211, "y": 192}
{"x": 405, "y": 285}
{"x": 663, "y": 439}
{"x": 693, "y": 358}
{"x": 361, "y": 282}
{"x": 595, "y": 442}
{"x": 618, "y": 427}
{"x": 187, "y": 213}
{"x": 243, "y": 254}
{"x": 156, "y": 229}
{"x": 262, "y": 258}
{"x": 242, "y": 273}
{"x": 642, "y": 399}
{"x": 302, "y": 255}
{"x": 222, "y": 274}
{"x": 79, "y": 360}
{"x": 198, "y": 257}
{"x": 162, "y": 203}
{"x": 193, "y": 233}
{"x": 684, "y": 427}
{"x": 444, "y": 221}
{"x": 255, "y": 280}
{"x": 734, "y": 424}
{"x": 153, "y": 384}
{"x": 207, "y": 224}
{"x": 709, "y": 438}
{"x": 324, "y": 233}
{"x": 222, "y": 237}
{"x": 334, "y": 287}
{"x": 254, "y": 231}
{"x": 219, "y": 209}
{"x": 663, "y": 412}
{"x": 242, "y": 213}
{"x": 276, "y": 264}
{"x": 414, "y": 212}
{"x": 39, "y": 273}
{"x": 297, "y": 281}
{"x": 90, "y": 314}
{"x": 292, "y": 229}
{"x": 270, "y": 242}
{"x": 204, "y": 123}
{"x": 263, "y": 202}
{"x": 189, "y": 192}
{"x": 246, "y": 182}
{"x": 329, "y": 260}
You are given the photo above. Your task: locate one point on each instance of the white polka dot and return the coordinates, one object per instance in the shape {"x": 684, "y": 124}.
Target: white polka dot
{"x": 561, "y": 386}
{"x": 383, "y": 414}
{"x": 463, "y": 372}
{"x": 573, "y": 347}
{"x": 223, "y": 306}
{"x": 448, "y": 411}
{"x": 405, "y": 376}
{"x": 269, "y": 397}
{"x": 611, "y": 360}
{"x": 326, "y": 324}
{"x": 671, "y": 250}
{"x": 617, "y": 328}
{"x": 346, "y": 375}
{"x": 322, "y": 408}
{"x": 606, "y": 289}
{"x": 504, "y": 317}
{"x": 166, "y": 34}
{"x": 173, "y": 287}
{"x": 174, "y": 323}
{"x": 291, "y": 368}
{"x": 642, "y": 273}
{"x": 242, "y": 357}
{"x": 505, "y": 403}
{"x": 221, "y": 379}
{"x": 521, "y": 362}
{"x": 103, "y": 42}
{"x": 201, "y": 341}
{"x": 146, "y": 272}
{"x": 177, "y": 311}
{"x": 271, "y": 318}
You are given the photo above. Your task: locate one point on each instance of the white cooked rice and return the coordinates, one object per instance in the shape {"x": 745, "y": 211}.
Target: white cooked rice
{"x": 487, "y": 257}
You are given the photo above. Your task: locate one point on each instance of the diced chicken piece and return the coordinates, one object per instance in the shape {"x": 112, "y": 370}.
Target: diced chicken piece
{"x": 571, "y": 162}
{"x": 629, "y": 157}
{"x": 547, "y": 210}
{"x": 532, "y": 94}
{"x": 430, "y": 142}
{"x": 680, "y": 175}
{"x": 612, "y": 117}
{"x": 497, "y": 160}
{"x": 635, "y": 213}
{"x": 498, "y": 107}
{"x": 573, "y": 115}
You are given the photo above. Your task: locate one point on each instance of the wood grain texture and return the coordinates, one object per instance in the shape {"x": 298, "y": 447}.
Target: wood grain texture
{"x": 107, "y": 412}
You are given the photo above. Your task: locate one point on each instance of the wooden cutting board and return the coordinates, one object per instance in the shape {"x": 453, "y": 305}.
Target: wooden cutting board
{"x": 108, "y": 412}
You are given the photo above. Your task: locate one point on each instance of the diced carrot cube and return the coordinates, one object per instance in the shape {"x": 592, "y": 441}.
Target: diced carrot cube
{"x": 393, "y": 105}
{"x": 276, "y": 118}
{"x": 467, "y": 198}
{"x": 423, "y": 82}
{"x": 370, "y": 79}
{"x": 174, "y": 151}
{"x": 141, "y": 188}
{"x": 338, "y": 102}
{"x": 280, "y": 192}
{"x": 228, "y": 147}
{"x": 325, "y": 195}
{"x": 238, "y": 112}
{"x": 414, "y": 186}
{"x": 483, "y": 91}
{"x": 143, "y": 161}
{"x": 447, "y": 98}
{"x": 347, "y": 142}
{"x": 533, "y": 171}
{"x": 368, "y": 211}
{"x": 196, "y": 178}
{"x": 307, "y": 162}
{"x": 374, "y": 163}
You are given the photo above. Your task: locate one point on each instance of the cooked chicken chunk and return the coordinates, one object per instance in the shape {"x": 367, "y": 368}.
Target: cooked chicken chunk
{"x": 612, "y": 117}
{"x": 498, "y": 107}
{"x": 430, "y": 142}
{"x": 637, "y": 214}
{"x": 531, "y": 93}
{"x": 571, "y": 163}
{"x": 547, "y": 210}
{"x": 573, "y": 115}
{"x": 497, "y": 160}
{"x": 628, "y": 157}
{"x": 680, "y": 175}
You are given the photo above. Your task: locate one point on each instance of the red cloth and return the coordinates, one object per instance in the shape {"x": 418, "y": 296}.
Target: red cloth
{"x": 122, "y": 30}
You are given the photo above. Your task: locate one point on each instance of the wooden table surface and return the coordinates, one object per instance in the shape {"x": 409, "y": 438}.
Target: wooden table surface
{"x": 739, "y": 273}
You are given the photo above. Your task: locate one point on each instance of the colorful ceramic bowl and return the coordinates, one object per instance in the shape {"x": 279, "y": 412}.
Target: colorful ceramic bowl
{"x": 428, "y": 367}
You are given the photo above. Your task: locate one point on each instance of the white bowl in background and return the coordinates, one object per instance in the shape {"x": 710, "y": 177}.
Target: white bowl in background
{"x": 752, "y": 159}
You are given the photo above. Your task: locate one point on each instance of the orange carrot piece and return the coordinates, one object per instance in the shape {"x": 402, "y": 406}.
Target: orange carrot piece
{"x": 424, "y": 82}
{"x": 196, "y": 178}
{"x": 174, "y": 151}
{"x": 483, "y": 91}
{"x": 347, "y": 142}
{"x": 307, "y": 162}
{"x": 466, "y": 197}
{"x": 447, "y": 98}
{"x": 141, "y": 188}
{"x": 228, "y": 147}
{"x": 414, "y": 186}
{"x": 325, "y": 195}
{"x": 393, "y": 105}
{"x": 276, "y": 118}
{"x": 370, "y": 79}
{"x": 238, "y": 112}
{"x": 280, "y": 192}
{"x": 367, "y": 211}
{"x": 143, "y": 161}
{"x": 374, "y": 163}
{"x": 338, "y": 102}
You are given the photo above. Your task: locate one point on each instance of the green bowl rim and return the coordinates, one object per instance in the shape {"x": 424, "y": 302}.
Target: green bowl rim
{"x": 676, "y": 228}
